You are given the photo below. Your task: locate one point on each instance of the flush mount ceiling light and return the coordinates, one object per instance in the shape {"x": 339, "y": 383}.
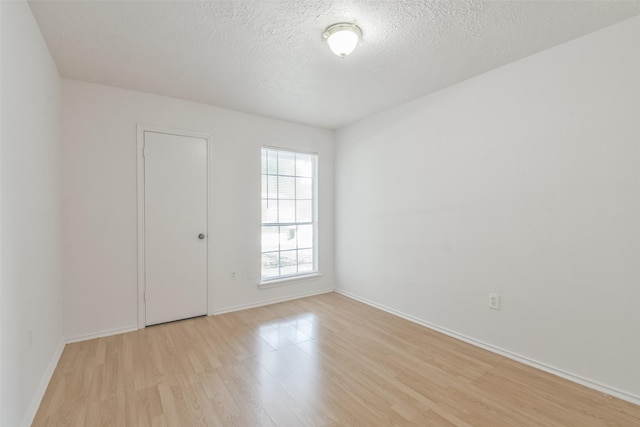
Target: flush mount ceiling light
{"x": 342, "y": 38}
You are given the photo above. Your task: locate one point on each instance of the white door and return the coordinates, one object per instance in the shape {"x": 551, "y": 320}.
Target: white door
{"x": 175, "y": 227}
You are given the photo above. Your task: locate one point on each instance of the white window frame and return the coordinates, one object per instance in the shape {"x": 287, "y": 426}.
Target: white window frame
{"x": 297, "y": 277}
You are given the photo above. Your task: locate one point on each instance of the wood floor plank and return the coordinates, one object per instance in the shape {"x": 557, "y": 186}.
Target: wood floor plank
{"x": 318, "y": 361}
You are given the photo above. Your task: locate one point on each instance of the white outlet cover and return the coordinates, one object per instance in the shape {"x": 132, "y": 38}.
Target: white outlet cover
{"x": 494, "y": 301}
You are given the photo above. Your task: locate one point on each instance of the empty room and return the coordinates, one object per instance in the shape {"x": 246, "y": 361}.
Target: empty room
{"x": 314, "y": 213}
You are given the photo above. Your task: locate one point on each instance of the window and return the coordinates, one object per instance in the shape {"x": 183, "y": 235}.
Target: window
{"x": 288, "y": 214}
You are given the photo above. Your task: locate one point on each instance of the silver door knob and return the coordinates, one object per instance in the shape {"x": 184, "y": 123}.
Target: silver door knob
{"x": 200, "y": 236}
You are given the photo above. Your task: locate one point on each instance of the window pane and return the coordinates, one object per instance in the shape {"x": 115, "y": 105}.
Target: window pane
{"x": 286, "y": 163}
{"x": 288, "y": 238}
{"x": 304, "y": 211}
{"x": 270, "y": 264}
{"x": 287, "y": 211}
{"x": 305, "y": 260}
{"x": 263, "y": 169}
{"x": 289, "y": 271}
{"x": 288, "y": 262}
{"x": 305, "y": 268}
{"x": 269, "y": 186}
{"x": 270, "y": 239}
{"x": 269, "y": 211}
{"x": 272, "y": 162}
{"x": 304, "y": 165}
{"x": 286, "y": 187}
{"x": 305, "y": 236}
{"x": 304, "y": 189}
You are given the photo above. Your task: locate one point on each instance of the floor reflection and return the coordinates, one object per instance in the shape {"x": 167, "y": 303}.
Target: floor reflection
{"x": 290, "y": 331}
{"x": 295, "y": 365}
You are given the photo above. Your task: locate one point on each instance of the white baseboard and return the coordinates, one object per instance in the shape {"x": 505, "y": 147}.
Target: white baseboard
{"x": 612, "y": 391}
{"x": 269, "y": 301}
{"x": 27, "y": 420}
{"x": 101, "y": 334}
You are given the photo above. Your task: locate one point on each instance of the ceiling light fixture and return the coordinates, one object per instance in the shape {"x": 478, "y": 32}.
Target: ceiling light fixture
{"x": 342, "y": 38}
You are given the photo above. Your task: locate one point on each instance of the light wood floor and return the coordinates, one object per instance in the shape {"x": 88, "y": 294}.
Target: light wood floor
{"x": 324, "y": 360}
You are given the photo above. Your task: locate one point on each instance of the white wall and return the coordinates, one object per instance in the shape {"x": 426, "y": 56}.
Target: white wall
{"x": 524, "y": 181}
{"x": 30, "y": 216}
{"x": 100, "y": 219}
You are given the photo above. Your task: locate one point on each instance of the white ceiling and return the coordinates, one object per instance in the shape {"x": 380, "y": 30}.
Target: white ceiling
{"x": 268, "y": 56}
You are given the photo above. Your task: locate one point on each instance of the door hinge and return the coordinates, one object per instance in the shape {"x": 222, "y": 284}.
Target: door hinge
{"x": 144, "y": 296}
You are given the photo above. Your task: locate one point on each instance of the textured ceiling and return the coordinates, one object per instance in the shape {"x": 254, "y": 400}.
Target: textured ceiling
{"x": 268, "y": 56}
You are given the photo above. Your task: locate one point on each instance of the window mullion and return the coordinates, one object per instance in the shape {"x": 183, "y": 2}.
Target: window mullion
{"x": 295, "y": 207}
{"x": 278, "y": 211}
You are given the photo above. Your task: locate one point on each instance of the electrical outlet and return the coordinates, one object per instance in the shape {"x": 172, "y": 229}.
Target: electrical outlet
{"x": 494, "y": 301}
{"x": 233, "y": 275}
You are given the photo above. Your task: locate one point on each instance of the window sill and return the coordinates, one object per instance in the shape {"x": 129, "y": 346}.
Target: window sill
{"x": 288, "y": 280}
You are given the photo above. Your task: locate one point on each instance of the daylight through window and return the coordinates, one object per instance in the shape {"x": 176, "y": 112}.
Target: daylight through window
{"x": 288, "y": 213}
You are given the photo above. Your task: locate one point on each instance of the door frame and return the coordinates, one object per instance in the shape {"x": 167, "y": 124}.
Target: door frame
{"x": 141, "y": 129}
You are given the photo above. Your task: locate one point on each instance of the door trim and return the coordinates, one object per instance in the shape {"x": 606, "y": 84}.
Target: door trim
{"x": 141, "y": 129}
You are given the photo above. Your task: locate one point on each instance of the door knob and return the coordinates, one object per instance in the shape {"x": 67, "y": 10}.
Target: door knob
{"x": 200, "y": 236}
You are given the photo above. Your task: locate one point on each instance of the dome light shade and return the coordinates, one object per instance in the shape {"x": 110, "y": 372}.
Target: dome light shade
{"x": 342, "y": 38}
